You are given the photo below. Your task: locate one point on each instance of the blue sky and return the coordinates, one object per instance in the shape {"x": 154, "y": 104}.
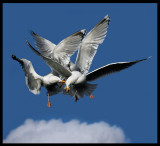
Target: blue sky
{"x": 127, "y": 99}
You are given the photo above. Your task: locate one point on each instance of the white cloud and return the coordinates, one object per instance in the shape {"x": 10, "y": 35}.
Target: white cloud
{"x": 57, "y": 131}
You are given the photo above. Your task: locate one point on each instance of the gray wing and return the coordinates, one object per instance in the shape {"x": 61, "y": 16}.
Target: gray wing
{"x": 33, "y": 80}
{"x": 39, "y": 54}
{"x": 67, "y": 47}
{"x": 90, "y": 44}
{"x": 58, "y": 68}
{"x": 110, "y": 68}
{"x": 63, "y": 51}
{"x": 44, "y": 46}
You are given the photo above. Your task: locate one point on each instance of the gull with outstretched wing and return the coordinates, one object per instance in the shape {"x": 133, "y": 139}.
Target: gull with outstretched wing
{"x": 78, "y": 79}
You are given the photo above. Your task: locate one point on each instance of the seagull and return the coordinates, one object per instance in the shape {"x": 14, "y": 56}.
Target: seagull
{"x": 35, "y": 81}
{"x": 78, "y": 79}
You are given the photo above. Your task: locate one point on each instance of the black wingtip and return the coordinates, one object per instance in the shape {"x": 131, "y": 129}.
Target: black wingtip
{"x": 17, "y": 59}
{"x": 28, "y": 44}
{"x": 14, "y": 57}
{"x": 107, "y": 17}
{"x": 83, "y": 31}
{"x": 32, "y": 33}
{"x": 144, "y": 59}
{"x": 33, "y": 49}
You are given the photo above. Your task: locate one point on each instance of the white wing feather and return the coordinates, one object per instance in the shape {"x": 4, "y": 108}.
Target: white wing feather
{"x": 63, "y": 51}
{"x": 54, "y": 65}
{"x": 44, "y": 46}
{"x": 90, "y": 44}
{"x": 67, "y": 47}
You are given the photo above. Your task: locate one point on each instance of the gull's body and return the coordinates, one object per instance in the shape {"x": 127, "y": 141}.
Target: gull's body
{"x": 78, "y": 86}
{"x": 76, "y": 78}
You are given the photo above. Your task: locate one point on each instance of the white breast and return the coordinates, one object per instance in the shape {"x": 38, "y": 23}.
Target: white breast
{"x": 73, "y": 78}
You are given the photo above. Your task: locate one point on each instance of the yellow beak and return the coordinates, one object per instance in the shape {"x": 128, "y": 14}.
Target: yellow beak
{"x": 67, "y": 89}
{"x": 63, "y": 81}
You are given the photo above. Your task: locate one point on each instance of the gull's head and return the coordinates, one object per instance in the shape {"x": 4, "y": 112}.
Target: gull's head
{"x": 72, "y": 66}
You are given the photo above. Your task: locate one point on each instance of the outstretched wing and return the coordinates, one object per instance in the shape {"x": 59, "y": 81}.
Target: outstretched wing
{"x": 110, "y": 68}
{"x": 39, "y": 54}
{"x": 44, "y": 46}
{"x": 55, "y": 66}
{"x": 67, "y": 47}
{"x": 90, "y": 44}
{"x": 63, "y": 51}
{"x": 33, "y": 80}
